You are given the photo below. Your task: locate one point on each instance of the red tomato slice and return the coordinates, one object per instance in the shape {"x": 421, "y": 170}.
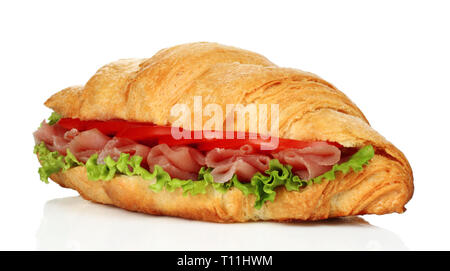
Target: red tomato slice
{"x": 109, "y": 127}
{"x": 227, "y": 144}
{"x": 194, "y": 135}
{"x": 294, "y": 144}
{"x": 71, "y": 123}
{"x": 257, "y": 143}
{"x": 140, "y": 133}
{"x": 150, "y": 134}
{"x": 169, "y": 140}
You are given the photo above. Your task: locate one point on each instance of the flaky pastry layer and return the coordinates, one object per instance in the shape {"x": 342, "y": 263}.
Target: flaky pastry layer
{"x": 374, "y": 190}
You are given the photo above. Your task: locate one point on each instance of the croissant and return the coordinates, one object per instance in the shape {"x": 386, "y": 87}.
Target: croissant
{"x": 310, "y": 109}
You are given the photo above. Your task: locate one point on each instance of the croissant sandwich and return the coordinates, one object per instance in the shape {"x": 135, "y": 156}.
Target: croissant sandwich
{"x": 211, "y": 132}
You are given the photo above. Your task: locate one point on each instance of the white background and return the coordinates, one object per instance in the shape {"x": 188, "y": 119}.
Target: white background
{"x": 390, "y": 57}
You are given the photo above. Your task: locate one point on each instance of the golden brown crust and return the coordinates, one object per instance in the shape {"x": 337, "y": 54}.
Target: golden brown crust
{"x": 310, "y": 109}
{"x": 382, "y": 187}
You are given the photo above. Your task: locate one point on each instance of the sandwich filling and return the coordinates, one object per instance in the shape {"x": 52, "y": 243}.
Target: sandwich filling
{"x": 107, "y": 148}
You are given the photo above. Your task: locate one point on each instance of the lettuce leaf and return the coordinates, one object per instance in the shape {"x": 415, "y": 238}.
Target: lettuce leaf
{"x": 53, "y": 162}
{"x": 262, "y": 185}
{"x": 54, "y": 118}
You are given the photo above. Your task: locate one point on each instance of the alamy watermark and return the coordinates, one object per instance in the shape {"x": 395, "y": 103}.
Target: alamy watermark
{"x": 232, "y": 124}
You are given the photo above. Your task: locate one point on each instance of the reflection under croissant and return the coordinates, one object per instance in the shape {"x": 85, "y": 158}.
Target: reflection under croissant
{"x": 74, "y": 224}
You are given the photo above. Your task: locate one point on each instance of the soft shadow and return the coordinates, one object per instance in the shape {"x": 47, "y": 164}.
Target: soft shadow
{"x": 75, "y": 224}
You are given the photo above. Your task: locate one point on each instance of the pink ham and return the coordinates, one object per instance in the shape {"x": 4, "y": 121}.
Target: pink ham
{"x": 52, "y": 136}
{"x": 87, "y": 143}
{"x": 81, "y": 144}
{"x": 243, "y": 162}
{"x": 180, "y": 161}
{"x": 116, "y": 146}
{"x": 71, "y": 134}
{"x": 311, "y": 161}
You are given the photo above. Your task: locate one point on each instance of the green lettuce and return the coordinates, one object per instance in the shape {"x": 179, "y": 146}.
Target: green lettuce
{"x": 262, "y": 185}
{"x": 53, "y": 162}
{"x": 54, "y": 118}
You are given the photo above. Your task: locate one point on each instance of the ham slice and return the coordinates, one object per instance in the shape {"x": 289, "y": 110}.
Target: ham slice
{"x": 81, "y": 144}
{"x": 71, "y": 134}
{"x": 116, "y": 146}
{"x": 52, "y": 136}
{"x": 243, "y": 162}
{"x": 311, "y": 161}
{"x": 87, "y": 143}
{"x": 180, "y": 161}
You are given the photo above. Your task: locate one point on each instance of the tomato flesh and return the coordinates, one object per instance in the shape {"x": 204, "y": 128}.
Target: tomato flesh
{"x": 138, "y": 133}
{"x": 110, "y": 127}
